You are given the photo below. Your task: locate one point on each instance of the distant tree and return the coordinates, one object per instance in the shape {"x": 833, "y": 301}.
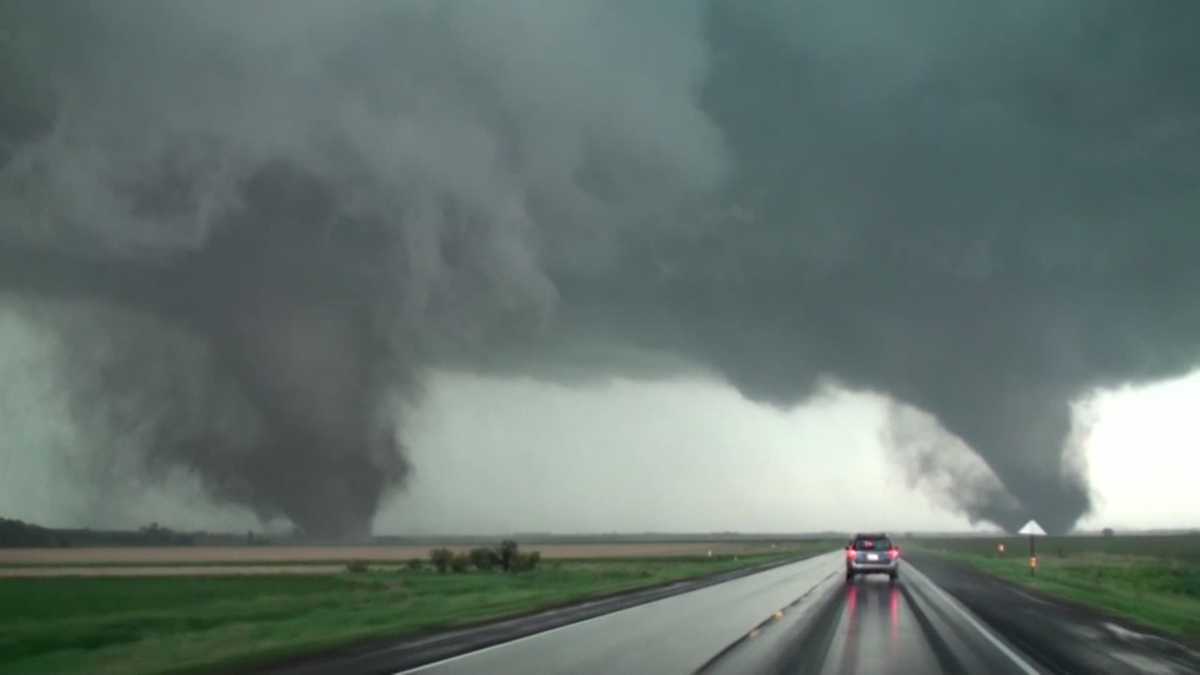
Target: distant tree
{"x": 1108, "y": 532}
{"x": 440, "y": 557}
{"x": 508, "y": 554}
{"x": 526, "y": 562}
{"x": 357, "y": 567}
{"x": 459, "y": 562}
{"x": 15, "y": 533}
{"x": 483, "y": 558}
{"x": 414, "y": 565}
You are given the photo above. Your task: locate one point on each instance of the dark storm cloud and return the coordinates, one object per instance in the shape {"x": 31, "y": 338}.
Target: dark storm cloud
{"x": 982, "y": 212}
{"x": 264, "y": 220}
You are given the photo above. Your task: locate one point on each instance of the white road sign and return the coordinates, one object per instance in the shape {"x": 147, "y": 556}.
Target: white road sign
{"x": 1032, "y": 529}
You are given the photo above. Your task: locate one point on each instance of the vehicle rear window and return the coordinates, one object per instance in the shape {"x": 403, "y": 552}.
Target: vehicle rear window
{"x": 873, "y": 544}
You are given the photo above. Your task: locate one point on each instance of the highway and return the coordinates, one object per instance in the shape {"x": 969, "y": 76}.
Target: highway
{"x": 673, "y": 635}
{"x": 874, "y": 626}
{"x": 801, "y": 617}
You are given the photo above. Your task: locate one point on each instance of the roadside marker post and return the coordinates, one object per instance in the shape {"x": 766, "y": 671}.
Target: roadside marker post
{"x": 1033, "y": 530}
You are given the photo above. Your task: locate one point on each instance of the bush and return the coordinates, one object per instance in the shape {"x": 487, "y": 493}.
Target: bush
{"x": 440, "y": 557}
{"x": 459, "y": 562}
{"x": 357, "y": 566}
{"x": 525, "y": 562}
{"x": 508, "y": 554}
{"x": 414, "y": 565}
{"x": 484, "y": 558}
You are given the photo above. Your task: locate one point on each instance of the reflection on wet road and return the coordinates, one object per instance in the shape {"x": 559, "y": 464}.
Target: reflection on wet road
{"x": 873, "y": 625}
{"x": 876, "y": 631}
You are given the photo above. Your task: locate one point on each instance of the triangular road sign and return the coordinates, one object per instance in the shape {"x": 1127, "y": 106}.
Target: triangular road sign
{"x": 1032, "y": 529}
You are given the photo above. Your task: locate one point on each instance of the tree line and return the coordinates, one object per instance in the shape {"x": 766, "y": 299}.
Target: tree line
{"x": 506, "y": 557}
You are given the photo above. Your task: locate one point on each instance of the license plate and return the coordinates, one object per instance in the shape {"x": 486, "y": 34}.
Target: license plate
{"x": 872, "y": 557}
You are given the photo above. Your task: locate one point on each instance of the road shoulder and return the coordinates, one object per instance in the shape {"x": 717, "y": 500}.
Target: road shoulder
{"x": 1060, "y": 635}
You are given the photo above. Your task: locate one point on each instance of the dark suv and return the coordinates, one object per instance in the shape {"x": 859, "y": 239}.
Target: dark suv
{"x": 872, "y": 554}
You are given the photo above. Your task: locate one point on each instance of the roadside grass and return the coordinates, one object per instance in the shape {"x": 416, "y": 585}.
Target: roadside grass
{"x": 1159, "y": 590}
{"x": 204, "y": 623}
{"x": 1185, "y": 547}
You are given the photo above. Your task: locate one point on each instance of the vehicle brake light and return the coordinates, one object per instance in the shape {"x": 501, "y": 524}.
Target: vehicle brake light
{"x": 851, "y": 554}
{"x": 893, "y": 553}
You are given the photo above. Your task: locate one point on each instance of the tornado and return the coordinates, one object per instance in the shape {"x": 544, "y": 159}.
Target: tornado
{"x": 277, "y": 218}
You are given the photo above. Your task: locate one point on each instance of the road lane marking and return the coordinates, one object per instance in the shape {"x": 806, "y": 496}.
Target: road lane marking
{"x": 952, "y": 602}
{"x": 1029, "y": 597}
{"x": 508, "y": 643}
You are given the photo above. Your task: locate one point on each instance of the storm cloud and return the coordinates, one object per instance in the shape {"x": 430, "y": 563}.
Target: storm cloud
{"x": 258, "y": 226}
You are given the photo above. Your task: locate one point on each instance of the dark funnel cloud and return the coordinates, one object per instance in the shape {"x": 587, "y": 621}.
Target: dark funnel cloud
{"x": 274, "y": 187}
{"x": 982, "y": 212}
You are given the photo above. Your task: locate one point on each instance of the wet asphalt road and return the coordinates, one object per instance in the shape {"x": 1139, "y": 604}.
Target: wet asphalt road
{"x": 1060, "y": 636}
{"x": 803, "y": 617}
{"x": 866, "y": 627}
{"x": 800, "y": 618}
{"x": 875, "y": 626}
{"x": 673, "y": 635}
{"x": 943, "y": 617}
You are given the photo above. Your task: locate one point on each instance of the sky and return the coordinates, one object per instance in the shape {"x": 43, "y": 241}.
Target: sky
{"x": 607, "y": 458}
{"x": 274, "y": 258}
{"x": 1142, "y": 454}
{"x": 680, "y": 455}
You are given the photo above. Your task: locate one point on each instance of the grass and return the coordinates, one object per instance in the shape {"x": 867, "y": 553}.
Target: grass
{"x": 1154, "y": 581}
{"x": 204, "y": 623}
{"x": 1183, "y": 547}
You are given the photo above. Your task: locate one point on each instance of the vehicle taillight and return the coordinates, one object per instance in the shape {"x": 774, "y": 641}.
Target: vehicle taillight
{"x": 851, "y": 554}
{"x": 893, "y": 553}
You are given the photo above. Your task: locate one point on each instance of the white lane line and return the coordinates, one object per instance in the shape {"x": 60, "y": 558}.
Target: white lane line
{"x": 508, "y": 643}
{"x": 1029, "y": 597}
{"x": 1012, "y": 656}
{"x": 499, "y": 645}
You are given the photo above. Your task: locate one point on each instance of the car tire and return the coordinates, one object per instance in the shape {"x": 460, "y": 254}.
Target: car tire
{"x": 892, "y": 576}
{"x": 849, "y": 577}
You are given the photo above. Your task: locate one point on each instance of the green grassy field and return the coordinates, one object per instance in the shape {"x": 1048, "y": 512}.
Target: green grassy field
{"x": 195, "y": 624}
{"x": 1154, "y": 580}
{"x": 1184, "y": 547}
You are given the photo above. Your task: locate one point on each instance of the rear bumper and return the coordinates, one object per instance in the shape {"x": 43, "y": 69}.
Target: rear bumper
{"x": 872, "y": 567}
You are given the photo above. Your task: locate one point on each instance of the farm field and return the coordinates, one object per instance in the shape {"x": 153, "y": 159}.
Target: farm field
{"x": 187, "y": 560}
